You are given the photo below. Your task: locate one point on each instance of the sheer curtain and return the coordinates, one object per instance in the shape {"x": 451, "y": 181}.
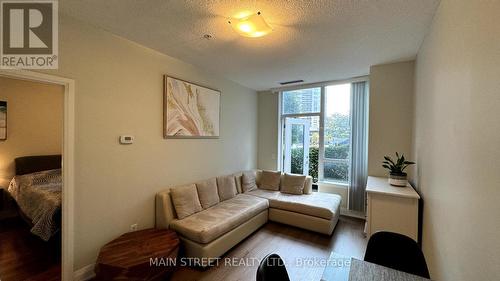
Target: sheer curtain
{"x": 359, "y": 146}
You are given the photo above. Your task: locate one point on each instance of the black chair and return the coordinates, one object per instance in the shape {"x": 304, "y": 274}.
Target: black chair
{"x": 272, "y": 268}
{"x": 396, "y": 251}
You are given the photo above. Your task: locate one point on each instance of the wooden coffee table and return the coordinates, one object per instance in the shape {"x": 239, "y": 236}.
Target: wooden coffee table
{"x": 128, "y": 257}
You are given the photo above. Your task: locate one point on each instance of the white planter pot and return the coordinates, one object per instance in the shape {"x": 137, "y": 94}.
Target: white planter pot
{"x": 397, "y": 180}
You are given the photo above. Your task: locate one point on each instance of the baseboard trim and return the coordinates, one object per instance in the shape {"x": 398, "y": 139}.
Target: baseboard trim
{"x": 354, "y": 214}
{"x": 85, "y": 273}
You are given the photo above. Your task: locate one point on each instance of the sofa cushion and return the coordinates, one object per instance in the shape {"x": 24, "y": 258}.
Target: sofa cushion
{"x": 207, "y": 192}
{"x": 317, "y": 204}
{"x": 263, "y": 193}
{"x": 226, "y": 187}
{"x": 248, "y": 181}
{"x": 308, "y": 185}
{"x": 237, "y": 178}
{"x": 270, "y": 180}
{"x": 293, "y": 184}
{"x": 209, "y": 224}
{"x": 185, "y": 200}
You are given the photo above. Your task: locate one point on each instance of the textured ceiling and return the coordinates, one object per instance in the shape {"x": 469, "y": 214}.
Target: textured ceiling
{"x": 313, "y": 40}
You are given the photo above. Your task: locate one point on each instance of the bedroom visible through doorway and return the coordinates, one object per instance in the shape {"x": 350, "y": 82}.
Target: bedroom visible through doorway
{"x": 31, "y": 178}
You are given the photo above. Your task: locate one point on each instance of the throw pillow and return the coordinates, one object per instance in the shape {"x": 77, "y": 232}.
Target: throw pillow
{"x": 207, "y": 192}
{"x": 226, "y": 186}
{"x": 270, "y": 180}
{"x": 248, "y": 181}
{"x": 293, "y": 184}
{"x": 237, "y": 178}
{"x": 185, "y": 200}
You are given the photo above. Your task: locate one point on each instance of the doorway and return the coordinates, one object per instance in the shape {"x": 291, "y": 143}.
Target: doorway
{"x": 67, "y": 167}
{"x": 296, "y": 145}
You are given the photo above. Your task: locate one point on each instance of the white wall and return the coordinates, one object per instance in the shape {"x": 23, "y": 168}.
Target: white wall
{"x": 34, "y": 122}
{"x": 268, "y": 131}
{"x": 391, "y": 113}
{"x": 457, "y": 137}
{"x": 119, "y": 91}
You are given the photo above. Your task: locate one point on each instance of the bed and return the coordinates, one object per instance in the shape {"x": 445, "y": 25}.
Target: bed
{"x": 36, "y": 188}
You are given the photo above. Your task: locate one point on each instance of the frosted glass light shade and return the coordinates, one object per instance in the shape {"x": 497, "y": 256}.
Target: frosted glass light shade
{"x": 251, "y": 26}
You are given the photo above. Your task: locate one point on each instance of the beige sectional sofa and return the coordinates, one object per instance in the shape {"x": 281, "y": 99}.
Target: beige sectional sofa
{"x": 220, "y": 215}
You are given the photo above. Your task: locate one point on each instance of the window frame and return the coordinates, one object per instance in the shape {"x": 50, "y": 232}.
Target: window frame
{"x": 322, "y": 116}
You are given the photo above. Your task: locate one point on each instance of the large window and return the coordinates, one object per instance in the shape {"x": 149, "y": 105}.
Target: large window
{"x": 337, "y": 132}
{"x": 302, "y": 101}
{"x": 316, "y": 132}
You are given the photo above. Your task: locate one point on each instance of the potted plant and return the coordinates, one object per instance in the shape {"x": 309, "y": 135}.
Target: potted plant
{"x": 397, "y": 176}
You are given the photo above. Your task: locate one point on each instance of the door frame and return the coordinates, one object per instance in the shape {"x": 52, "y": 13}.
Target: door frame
{"x": 288, "y": 122}
{"x": 68, "y": 169}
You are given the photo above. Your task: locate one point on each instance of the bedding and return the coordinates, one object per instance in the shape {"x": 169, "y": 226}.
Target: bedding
{"x": 38, "y": 196}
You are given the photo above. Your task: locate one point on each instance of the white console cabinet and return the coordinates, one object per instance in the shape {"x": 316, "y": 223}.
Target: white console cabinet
{"x": 391, "y": 208}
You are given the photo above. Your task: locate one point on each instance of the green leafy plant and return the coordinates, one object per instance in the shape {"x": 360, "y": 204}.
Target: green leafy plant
{"x": 396, "y": 167}
{"x": 341, "y": 170}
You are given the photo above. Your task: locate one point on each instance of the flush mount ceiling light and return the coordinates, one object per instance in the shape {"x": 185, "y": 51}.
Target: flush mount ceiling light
{"x": 253, "y": 25}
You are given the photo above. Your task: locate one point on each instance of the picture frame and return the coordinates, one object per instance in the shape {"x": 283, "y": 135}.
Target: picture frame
{"x": 3, "y": 120}
{"x": 190, "y": 110}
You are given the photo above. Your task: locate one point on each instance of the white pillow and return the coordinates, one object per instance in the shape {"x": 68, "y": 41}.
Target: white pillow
{"x": 270, "y": 180}
{"x": 207, "y": 192}
{"x": 226, "y": 186}
{"x": 293, "y": 184}
{"x": 185, "y": 200}
{"x": 248, "y": 181}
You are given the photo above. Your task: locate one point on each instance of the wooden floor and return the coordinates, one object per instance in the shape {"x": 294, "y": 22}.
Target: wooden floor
{"x": 294, "y": 245}
{"x": 23, "y": 256}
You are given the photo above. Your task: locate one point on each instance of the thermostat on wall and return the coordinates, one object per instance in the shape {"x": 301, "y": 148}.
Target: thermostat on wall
{"x": 126, "y": 139}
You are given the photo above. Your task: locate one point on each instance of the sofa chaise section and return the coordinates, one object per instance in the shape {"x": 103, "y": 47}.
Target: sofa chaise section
{"x": 317, "y": 211}
{"x": 320, "y": 205}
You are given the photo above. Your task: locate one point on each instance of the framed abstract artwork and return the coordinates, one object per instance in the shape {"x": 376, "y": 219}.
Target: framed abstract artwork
{"x": 3, "y": 120}
{"x": 190, "y": 110}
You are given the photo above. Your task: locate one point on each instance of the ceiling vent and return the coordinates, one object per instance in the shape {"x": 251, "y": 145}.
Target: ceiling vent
{"x": 291, "y": 82}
